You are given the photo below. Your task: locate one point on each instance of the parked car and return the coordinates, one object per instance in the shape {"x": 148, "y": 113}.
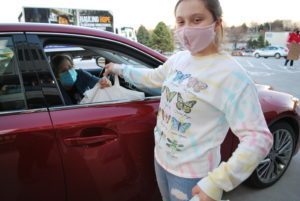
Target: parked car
{"x": 247, "y": 52}
{"x": 242, "y": 52}
{"x": 100, "y": 151}
{"x": 271, "y": 51}
{"x": 236, "y": 52}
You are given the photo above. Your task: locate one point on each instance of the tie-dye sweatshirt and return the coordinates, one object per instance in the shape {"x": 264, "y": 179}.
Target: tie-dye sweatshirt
{"x": 202, "y": 97}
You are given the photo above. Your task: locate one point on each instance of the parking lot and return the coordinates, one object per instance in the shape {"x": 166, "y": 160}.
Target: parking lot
{"x": 272, "y": 72}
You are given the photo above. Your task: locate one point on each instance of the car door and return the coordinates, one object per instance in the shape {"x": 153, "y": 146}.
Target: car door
{"x": 30, "y": 163}
{"x": 272, "y": 51}
{"x": 262, "y": 51}
{"x": 107, "y": 148}
{"x": 268, "y": 51}
{"x": 277, "y": 50}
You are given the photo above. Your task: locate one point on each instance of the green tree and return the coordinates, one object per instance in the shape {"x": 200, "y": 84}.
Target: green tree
{"x": 261, "y": 41}
{"x": 260, "y": 28}
{"x": 244, "y": 28}
{"x": 267, "y": 26}
{"x": 254, "y": 44}
{"x": 143, "y": 36}
{"x": 250, "y": 43}
{"x": 162, "y": 38}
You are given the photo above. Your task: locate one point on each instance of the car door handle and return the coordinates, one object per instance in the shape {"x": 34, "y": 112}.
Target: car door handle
{"x": 83, "y": 141}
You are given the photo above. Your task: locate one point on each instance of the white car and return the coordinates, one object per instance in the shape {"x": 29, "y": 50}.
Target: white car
{"x": 271, "y": 51}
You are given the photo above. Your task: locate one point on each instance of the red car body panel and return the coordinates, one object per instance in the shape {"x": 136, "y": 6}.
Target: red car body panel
{"x": 30, "y": 162}
{"x": 279, "y": 106}
{"x": 102, "y": 138}
{"x": 94, "y": 152}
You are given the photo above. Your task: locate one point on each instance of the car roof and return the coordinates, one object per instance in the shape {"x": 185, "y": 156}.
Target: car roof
{"x": 71, "y": 29}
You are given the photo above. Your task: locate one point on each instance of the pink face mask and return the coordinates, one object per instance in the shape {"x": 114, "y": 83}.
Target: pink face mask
{"x": 196, "y": 39}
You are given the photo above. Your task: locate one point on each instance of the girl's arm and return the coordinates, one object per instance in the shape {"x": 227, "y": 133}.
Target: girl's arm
{"x": 246, "y": 120}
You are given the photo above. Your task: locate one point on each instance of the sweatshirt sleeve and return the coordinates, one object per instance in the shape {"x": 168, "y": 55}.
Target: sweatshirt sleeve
{"x": 246, "y": 120}
{"x": 146, "y": 77}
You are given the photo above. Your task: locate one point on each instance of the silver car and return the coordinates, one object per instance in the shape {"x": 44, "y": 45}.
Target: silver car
{"x": 271, "y": 51}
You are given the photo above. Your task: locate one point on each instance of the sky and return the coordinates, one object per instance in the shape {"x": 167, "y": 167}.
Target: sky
{"x": 149, "y": 12}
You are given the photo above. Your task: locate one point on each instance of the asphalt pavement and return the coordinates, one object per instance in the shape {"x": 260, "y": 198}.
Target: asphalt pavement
{"x": 272, "y": 72}
{"x": 286, "y": 189}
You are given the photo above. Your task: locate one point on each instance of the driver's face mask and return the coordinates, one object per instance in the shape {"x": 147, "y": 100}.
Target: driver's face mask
{"x": 68, "y": 78}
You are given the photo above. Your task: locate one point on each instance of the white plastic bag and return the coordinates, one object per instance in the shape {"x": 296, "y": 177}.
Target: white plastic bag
{"x": 113, "y": 93}
{"x": 197, "y": 198}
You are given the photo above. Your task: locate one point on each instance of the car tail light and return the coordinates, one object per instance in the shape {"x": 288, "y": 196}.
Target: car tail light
{"x": 297, "y": 109}
{"x": 296, "y": 105}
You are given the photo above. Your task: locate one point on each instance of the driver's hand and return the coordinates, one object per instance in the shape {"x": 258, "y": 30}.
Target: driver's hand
{"x": 112, "y": 68}
{"x": 104, "y": 82}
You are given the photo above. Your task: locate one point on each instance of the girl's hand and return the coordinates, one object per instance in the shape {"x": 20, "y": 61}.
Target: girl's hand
{"x": 202, "y": 196}
{"x": 108, "y": 69}
{"x": 104, "y": 82}
{"x": 112, "y": 68}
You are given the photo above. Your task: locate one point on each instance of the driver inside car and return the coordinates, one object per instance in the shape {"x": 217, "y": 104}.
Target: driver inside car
{"x": 74, "y": 82}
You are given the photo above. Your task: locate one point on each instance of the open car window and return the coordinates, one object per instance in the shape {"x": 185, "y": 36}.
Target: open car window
{"x": 86, "y": 57}
{"x": 92, "y": 60}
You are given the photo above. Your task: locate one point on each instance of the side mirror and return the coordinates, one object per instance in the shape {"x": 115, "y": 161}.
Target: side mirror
{"x": 100, "y": 61}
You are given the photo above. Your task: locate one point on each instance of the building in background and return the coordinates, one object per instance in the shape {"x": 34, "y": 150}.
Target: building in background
{"x": 127, "y": 32}
{"x": 97, "y": 19}
{"x": 277, "y": 38}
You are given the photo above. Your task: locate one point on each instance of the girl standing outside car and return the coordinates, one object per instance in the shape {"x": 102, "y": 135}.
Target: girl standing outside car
{"x": 204, "y": 93}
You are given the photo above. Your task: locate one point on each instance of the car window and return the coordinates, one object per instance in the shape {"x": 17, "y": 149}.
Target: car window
{"x": 11, "y": 93}
{"x": 92, "y": 59}
{"x": 85, "y": 63}
{"x": 120, "y": 58}
{"x": 81, "y": 61}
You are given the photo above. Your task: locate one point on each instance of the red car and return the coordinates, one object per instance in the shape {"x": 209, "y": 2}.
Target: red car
{"x": 101, "y": 151}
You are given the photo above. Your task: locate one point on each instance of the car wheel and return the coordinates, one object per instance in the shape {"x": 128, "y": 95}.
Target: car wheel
{"x": 276, "y": 163}
{"x": 277, "y": 56}
{"x": 257, "y": 55}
